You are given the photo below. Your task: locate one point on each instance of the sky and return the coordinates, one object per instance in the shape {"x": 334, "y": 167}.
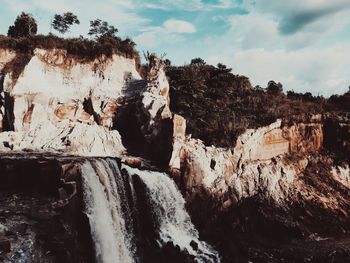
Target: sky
{"x": 304, "y": 44}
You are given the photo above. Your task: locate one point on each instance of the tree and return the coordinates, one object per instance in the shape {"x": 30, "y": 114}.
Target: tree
{"x": 197, "y": 62}
{"x": 24, "y": 26}
{"x": 101, "y": 29}
{"x": 274, "y": 88}
{"x": 62, "y": 23}
{"x": 128, "y": 41}
{"x": 167, "y": 62}
{"x": 223, "y": 68}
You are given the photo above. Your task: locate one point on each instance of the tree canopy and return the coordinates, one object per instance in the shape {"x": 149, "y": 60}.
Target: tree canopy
{"x": 101, "y": 29}
{"x": 197, "y": 61}
{"x": 24, "y": 26}
{"x": 62, "y": 23}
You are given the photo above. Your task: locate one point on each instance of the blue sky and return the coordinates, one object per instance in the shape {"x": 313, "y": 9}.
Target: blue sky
{"x": 304, "y": 44}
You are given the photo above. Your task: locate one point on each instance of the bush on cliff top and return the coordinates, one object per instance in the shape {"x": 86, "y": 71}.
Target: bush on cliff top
{"x": 219, "y": 106}
{"x": 80, "y": 48}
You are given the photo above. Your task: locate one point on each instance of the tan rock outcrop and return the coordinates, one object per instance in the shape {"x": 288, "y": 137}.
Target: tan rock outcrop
{"x": 179, "y": 135}
{"x": 6, "y": 55}
{"x": 156, "y": 96}
{"x": 273, "y": 140}
{"x": 60, "y": 84}
{"x": 58, "y": 95}
{"x": 342, "y": 175}
{"x": 255, "y": 165}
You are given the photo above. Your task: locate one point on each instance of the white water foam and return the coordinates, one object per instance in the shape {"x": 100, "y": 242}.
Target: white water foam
{"x": 103, "y": 208}
{"x": 169, "y": 208}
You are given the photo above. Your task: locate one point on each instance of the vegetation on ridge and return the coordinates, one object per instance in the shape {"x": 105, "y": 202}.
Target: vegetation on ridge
{"x": 22, "y": 38}
{"x": 219, "y": 105}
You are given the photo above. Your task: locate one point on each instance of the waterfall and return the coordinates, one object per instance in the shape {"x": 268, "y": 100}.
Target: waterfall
{"x": 103, "y": 207}
{"x": 111, "y": 205}
{"x": 168, "y": 207}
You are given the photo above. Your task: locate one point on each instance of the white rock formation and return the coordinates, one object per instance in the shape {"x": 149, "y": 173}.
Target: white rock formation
{"x": 249, "y": 168}
{"x": 6, "y": 56}
{"x": 49, "y": 95}
{"x": 342, "y": 175}
{"x": 273, "y": 140}
{"x": 156, "y": 97}
{"x": 59, "y": 84}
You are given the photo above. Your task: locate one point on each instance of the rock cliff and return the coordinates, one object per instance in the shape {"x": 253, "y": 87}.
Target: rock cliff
{"x": 285, "y": 175}
{"x": 60, "y": 103}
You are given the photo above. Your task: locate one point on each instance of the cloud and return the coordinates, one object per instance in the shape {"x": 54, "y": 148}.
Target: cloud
{"x": 310, "y": 56}
{"x": 170, "y": 33}
{"x": 179, "y": 26}
{"x": 318, "y": 71}
{"x": 294, "y": 15}
{"x": 153, "y": 39}
{"x": 189, "y": 5}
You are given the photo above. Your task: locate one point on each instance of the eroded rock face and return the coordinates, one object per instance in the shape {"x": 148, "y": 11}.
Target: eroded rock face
{"x": 60, "y": 84}
{"x": 342, "y": 175}
{"x": 273, "y": 140}
{"x": 275, "y": 183}
{"x": 156, "y": 96}
{"x": 6, "y": 55}
{"x": 219, "y": 169}
{"x": 61, "y": 103}
{"x": 79, "y": 139}
{"x": 145, "y": 120}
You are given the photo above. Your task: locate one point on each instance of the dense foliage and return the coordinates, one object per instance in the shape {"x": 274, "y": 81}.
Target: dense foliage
{"x": 24, "y": 26}
{"x": 22, "y": 38}
{"x": 80, "y": 48}
{"x": 219, "y": 106}
{"x": 62, "y": 23}
{"x": 101, "y": 29}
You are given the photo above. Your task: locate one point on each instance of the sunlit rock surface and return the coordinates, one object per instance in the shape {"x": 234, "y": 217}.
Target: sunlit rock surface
{"x": 61, "y": 103}
{"x": 6, "y": 56}
{"x": 248, "y": 167}
{"x": 156, "y": 96}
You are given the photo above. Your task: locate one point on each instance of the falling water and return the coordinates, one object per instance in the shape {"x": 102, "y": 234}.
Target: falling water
{"x": 168, "y": 206}
{"x": 103, "y": 205}
{"x": 111, "y": 220}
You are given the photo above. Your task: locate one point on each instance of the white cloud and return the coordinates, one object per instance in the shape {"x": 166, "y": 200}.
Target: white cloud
{"x": 322, "y": 71}
{"x": 179, "y": 26}
{"x": 294, "y": 15}
{"x": 188, "y": 5}
{"x": 170, "y": 33}
{"x": 259, "y": 52}
{"x": 315, "y": 58}
{"x": 153, "y": 39}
